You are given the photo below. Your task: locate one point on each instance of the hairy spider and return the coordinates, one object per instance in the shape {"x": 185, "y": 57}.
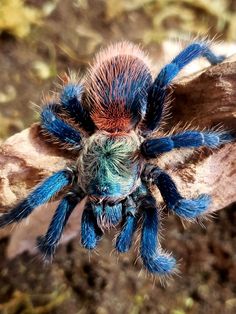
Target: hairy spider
{"x": 108, "y": 119}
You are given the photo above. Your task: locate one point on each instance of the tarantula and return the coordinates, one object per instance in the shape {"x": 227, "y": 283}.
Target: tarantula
{"x": 108, "y": 119}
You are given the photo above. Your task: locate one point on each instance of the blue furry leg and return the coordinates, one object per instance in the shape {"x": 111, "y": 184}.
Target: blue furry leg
{"x": 70, "y": 100}
{"x": 185, "y": 208}
{"x": 154, "y": 261}
{"x": 47, "y": 244}
{"x": 124, "y": 240}
{"x": 58, "y": 128}
{"x": 192, "y": 208}
{"x": 158, "y": 91}
{"x": 90, "y": 231}
{"x": 41, "y": 195}
{"x": 152, "y": 148}
{"x": 113, "y": 214}
{"x": 196, "y": 50}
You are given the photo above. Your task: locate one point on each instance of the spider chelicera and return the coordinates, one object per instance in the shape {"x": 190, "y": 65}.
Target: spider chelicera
{"x": 109, "y": 118}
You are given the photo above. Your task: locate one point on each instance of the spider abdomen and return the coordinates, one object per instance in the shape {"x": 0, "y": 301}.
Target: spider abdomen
{"x": 117, "y": 86}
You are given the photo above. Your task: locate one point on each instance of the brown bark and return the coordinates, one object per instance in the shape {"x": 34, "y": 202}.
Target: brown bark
{"x": 206, "y": 99}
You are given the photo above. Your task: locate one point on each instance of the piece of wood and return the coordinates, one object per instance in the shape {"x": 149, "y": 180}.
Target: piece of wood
{"x": 206, "y": 99}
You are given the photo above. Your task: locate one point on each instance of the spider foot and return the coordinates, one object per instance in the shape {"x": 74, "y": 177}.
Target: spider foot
{"x": 192, "y": 208}
{"x": 90, "y": 240}
{"x": 46, "y": 248}
{"x": 162, "y": 264}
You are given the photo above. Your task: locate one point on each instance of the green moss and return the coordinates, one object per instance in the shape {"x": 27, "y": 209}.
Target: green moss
{"x": 21, "y": 303}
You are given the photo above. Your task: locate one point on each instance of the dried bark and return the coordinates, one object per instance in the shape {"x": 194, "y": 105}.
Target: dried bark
{"x": 206, "y": 99}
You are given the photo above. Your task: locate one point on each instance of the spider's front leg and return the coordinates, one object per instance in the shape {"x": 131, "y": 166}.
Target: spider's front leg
{"x": 47, "y": 244}
{"x": 185, "y": 208}
{"x": 158, "y": 91}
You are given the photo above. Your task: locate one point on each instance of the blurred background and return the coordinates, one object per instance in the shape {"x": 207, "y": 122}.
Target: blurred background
{"x": 42, "y": 39}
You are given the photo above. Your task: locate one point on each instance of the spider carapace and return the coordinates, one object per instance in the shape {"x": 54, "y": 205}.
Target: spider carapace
{"x": 109, "y": 118}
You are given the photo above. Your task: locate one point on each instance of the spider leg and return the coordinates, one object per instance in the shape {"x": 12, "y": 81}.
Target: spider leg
{"x": 42, "y": 194}
{"x": 153, "y": 259}
{"x": 70, "y": 100}
{"x": 47, "y": 244}
{"x": 185, "y": 208}
{"x": 124, "y": 240}
{"x": 90, "y": 231}
{"x": 158, "y": 91}
{"x": 58, "y": 128}
{"x": 151, "y": 148}
{"x": 113, "y": 214}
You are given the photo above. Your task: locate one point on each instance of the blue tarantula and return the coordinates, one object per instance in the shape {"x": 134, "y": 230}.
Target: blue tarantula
{"x": 108, "y": 119}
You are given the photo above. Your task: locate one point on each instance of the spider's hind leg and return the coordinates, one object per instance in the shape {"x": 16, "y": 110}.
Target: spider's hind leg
{"x": 185, "y": 208}
{"x": 154, "y": 260}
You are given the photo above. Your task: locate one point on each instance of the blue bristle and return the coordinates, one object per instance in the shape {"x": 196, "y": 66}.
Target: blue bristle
{"x": 159, "y": 264}
{"x": 47, "y": 244}
{"x": 151, "y": 148}
{"x": 212, "y": 58}
{"x": 168, "y": 189}
{"x": 97, "y": 210}
{"x": 70, "y": 96}
{"x": 196, "y": 50}
{"x": 58, "y": 128}
{"x": 124, "y": 240}
{"x": 192, "y": 208}
{"x": 70, "y": 99}
{"x": 113, "y": 213}
{"x": 186, "y": 208}
{"x": 90, "y": 232}
{"x": 158, "y": 91}
{"x": 42, "y": 194}
{"x": 155, "y": 262}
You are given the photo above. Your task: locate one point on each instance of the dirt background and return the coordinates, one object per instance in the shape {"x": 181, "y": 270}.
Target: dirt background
{"x": 38, "y": 41}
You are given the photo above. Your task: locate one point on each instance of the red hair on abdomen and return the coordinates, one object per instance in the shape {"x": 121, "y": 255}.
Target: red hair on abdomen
{"x": 116, "y": 87}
